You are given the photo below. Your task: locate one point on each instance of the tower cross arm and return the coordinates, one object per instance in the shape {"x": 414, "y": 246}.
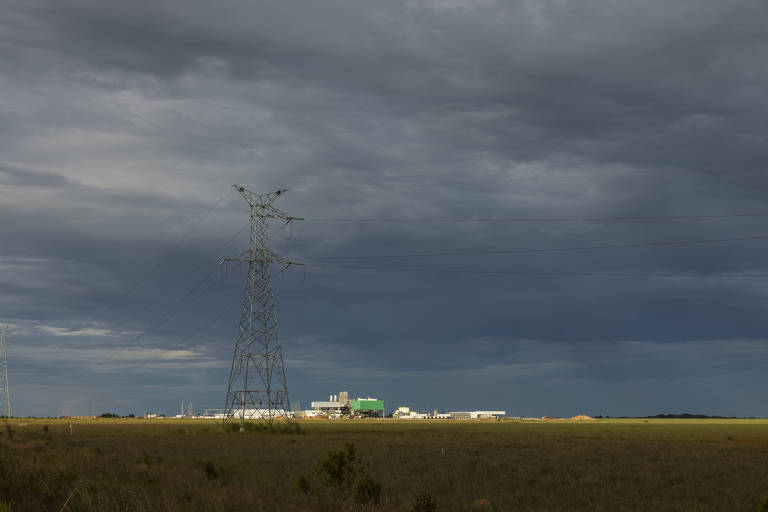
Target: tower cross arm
{"x": 266, "y": 256}
{"x": 270, "y": 212}
{"x": 277, "y": 214}
{"x": 259, "y": 200}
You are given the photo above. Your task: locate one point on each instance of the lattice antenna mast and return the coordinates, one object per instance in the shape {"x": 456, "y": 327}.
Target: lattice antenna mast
{"x": 257, "y": 387}
{"x": 5, "y": 397}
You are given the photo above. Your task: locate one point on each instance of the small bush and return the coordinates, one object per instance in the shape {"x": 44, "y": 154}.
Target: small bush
{"x": 211, "y": 471}
{"x": 303, "y": 484}
{"x": 424, "y": 503}
{"x": 5, "y": 506}
{"x": 367, "y": 489}
{"x": 345, "y": 471}
{"x": 763, "y": 506}
{"x": 340, "y": 468}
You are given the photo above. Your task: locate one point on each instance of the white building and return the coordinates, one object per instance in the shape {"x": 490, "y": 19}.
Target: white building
{"x": 405, "y": 413}
{"x": 476, "y": 415}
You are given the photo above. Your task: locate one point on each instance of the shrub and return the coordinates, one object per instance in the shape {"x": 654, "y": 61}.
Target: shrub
{"x": 303, "y": 484}
{"x": 344, "y": 470}
{"x": 424, "y": 503}
{"x": 211, "y": 471}
{"x": 340, "y": 468}
{"x": 763, "y": 506}
{"x": 367, "y": 489}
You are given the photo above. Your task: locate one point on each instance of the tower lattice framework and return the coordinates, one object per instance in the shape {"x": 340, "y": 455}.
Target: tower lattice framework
{"x": 5, "y": 397}
{"x": 257, "y": 387}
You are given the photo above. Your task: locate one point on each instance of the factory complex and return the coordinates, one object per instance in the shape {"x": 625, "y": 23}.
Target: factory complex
{"x": 341, "y": 406}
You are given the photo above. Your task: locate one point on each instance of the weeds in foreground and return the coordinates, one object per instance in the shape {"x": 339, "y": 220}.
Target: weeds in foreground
{"x": 424, "y": 503}
{"x": 256, "y": 427}
{"x": 142, "y": 466}
{"x": 303, "y": 484}
{"x": 344, "y": 470}
{"x": 211, "y": 470}
{"x": 72, "y": 493}
{"x": 367, "y": 490}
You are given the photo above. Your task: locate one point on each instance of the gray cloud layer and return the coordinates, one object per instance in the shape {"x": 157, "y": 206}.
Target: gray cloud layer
{"x": 124, "y": 124}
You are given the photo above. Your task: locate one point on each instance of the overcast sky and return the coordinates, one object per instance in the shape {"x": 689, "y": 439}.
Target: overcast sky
{"x": 123, "y": 126}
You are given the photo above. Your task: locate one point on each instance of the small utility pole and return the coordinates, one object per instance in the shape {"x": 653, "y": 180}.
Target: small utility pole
{"x": 5, "y": 397}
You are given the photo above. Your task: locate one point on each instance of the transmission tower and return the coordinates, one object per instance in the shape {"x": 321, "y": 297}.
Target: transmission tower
{"x": 5, "y": 397}
{"x": 257, "y": 388}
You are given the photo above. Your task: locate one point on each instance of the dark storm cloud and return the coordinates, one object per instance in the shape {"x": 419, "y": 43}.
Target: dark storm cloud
{"x": 123, "y": 125}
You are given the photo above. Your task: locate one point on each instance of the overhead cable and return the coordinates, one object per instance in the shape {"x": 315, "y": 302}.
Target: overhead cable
{"x": 539, "y": 219}
{"x": 538, "y": 250}
{"x": 545, "y": 274}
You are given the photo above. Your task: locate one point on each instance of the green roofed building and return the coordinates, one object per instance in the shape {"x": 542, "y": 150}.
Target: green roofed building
{"x": 367, "y": 408}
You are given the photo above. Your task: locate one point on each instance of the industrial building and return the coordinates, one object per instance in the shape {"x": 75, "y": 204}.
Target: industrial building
{"x": 337, "y": 406}
{"x": 476, "y": 415}
{"x": 405, "y": 413}
{"x": 341, "y": 406}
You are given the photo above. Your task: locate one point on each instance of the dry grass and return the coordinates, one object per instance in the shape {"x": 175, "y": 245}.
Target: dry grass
{"x": 175, "y": 465}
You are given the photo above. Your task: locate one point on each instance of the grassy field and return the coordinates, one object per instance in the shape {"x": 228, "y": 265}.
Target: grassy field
{"x": 180, "y": 465}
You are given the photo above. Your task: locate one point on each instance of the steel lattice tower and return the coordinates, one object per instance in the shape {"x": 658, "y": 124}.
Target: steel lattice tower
{"x": 257, "y": 388}
{"x": 5, "y": 397}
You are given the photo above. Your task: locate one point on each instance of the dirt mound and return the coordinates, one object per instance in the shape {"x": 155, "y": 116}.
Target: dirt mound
{"x": 582, "y": 417}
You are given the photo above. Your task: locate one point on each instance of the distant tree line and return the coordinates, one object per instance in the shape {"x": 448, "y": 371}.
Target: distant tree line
{"x": 683, "y": 416}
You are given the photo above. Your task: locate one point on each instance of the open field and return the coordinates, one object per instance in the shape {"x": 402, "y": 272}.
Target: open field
{"x": 175, "y": 465}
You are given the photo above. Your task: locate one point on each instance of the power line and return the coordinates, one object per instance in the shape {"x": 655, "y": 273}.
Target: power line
{"x": 175, "y": 308}
{"x": 540, "y": 219}
{"x": 545, "y": 274}
{"x": 538, "y": 250}
{"x": 180, "y": 241}
{"x": 75, "y": 377}
{"x": 186, "y": 338}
